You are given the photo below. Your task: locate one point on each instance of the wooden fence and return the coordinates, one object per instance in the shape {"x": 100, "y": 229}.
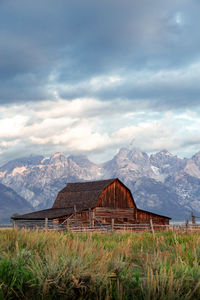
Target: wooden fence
{"x": 46, "y": 224}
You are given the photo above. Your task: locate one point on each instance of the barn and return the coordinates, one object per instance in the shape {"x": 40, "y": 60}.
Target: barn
{"x": 92, "y": 203}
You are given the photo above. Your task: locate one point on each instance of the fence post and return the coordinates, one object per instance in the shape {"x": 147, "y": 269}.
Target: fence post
{"x": 187, "y": 225}
{"x": 151, "y": 224}
{"x": 193, "y": 219}
{"x": 68, "y": 226}
{"x": 92, "y": 219}
{"x": 112, "y": 224}
{"x": 46, "y": 224}
{"x": 14, "y": 224}
{"x": 75, "y": 216}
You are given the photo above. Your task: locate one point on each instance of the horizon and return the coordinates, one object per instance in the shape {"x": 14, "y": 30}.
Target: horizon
{"x": 91, "y": 160}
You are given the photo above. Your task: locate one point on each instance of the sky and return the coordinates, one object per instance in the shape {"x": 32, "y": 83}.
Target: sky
{"x": 89, "y": 77}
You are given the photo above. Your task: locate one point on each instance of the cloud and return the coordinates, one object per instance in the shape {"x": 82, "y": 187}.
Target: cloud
{"x": 94, "y": 128}
{"x": 76, "y": 48}
{"x": 66, "y": 126}
{"x": 177, "y": 133}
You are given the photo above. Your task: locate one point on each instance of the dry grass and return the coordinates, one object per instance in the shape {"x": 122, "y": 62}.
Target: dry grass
{"x": 55, "y": 265}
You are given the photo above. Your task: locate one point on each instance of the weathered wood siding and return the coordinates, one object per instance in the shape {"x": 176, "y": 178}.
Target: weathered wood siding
{"x": 116, "y": 195}
{"x": 83, "y": 218}
{"x": 120, "y": 216}
{"x": 104, "y": 215}
{"x": 30, "y": 223}
{"x": 143, "y": 217}
{"x": 100, "y": 215}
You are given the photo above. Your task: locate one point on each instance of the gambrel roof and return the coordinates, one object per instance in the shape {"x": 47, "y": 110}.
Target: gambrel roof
{"x": 82, "y": 194}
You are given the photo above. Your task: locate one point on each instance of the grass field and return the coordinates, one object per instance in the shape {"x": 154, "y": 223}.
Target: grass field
{"x": 57, "y": 265}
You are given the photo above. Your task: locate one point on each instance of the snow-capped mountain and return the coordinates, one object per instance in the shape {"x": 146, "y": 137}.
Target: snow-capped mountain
{"x": 38, "y": 179}
{"x": 128, "y": 165}
{"x": 161, "y": 183}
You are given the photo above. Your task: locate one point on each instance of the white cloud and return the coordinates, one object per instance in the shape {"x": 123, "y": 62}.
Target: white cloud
{"x": 171, "y": 131}
{"x": 13, "y": 126}
{"x": 65, "y": 108}
{"x": 66, "y": 126}
{"x": 94, "y": 128}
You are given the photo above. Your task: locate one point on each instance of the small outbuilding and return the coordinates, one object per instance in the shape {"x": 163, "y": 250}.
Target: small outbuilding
{"x": 92, "y": 203}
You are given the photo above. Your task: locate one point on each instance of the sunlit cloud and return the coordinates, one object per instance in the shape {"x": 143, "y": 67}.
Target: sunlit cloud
{"x": 68, "y": 127}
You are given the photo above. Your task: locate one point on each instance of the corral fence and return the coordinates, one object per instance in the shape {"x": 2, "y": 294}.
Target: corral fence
{"x": 46, "y": 224}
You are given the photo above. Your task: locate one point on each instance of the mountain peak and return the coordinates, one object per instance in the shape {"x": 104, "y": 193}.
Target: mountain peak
{"x": 131, "y": 152}
{"x": 123, "y": 152}
{"x": 58, "y": 157}
{"x": 137, "y": 152}
{"x": 57, "y": 154}
{"x": 165, "y": 152}
{"x": 129, "y": 161}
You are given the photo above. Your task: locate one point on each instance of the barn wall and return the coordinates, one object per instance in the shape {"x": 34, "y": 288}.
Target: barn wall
{"x": 80, "y": 219}
{"x": 101, "y": 215}
{"x": 120, "y": 216}
{"x": 104, "y": 215}
{"x": 116, "y": 195}
{"x": 143, "y": 217}
{"x": 29, "y": 223}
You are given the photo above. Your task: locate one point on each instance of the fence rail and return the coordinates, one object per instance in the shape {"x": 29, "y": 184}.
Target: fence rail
{"x": 150, "y": 227}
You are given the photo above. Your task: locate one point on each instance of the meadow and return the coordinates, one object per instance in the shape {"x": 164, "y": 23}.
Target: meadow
{"x": 62, "y": 265}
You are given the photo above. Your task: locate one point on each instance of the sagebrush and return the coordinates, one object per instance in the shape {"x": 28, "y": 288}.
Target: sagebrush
{"x": 62, "y": 265}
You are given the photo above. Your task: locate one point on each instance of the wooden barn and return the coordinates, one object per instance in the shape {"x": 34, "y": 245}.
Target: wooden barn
{"x": 92, "y": 203}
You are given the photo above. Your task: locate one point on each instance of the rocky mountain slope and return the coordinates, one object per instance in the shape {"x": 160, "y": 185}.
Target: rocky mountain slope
{"x": 10, "y": 203}
{"x": 161, "y": 183}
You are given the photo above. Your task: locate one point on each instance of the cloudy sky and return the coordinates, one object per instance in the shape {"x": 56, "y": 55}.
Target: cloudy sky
{"x": 89, "y": 77}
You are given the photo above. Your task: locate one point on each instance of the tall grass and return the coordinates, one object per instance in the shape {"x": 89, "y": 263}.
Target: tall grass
{"x": 57, "y": 265}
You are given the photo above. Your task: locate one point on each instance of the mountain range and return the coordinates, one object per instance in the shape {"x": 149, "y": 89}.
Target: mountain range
{"x": 162, "y": 183}
{"x": 10, "y": 203}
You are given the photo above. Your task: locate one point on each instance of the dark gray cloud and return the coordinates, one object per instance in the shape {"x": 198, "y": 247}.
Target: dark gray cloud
{"x": 46, "y": 45}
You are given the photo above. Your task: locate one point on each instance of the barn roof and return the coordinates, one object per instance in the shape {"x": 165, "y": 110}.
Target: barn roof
{"x": 87, "y": 186}
{"x": 50, "y": 213}
{"x": 151, "y": 213}
{"x": 82, "y": 194}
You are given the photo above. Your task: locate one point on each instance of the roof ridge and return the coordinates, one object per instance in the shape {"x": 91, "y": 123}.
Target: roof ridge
{"x": 94, "y": 181}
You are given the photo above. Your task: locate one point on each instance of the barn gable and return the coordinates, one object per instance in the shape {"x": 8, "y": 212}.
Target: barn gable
{"x": 110, "y": 193}
{"x": 116, "y": 195}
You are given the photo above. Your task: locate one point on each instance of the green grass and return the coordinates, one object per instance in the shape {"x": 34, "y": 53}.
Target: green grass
{"x": 57, "y": 265}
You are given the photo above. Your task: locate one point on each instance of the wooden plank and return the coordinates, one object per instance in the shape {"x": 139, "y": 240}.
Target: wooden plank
{"x": 116, "y": 195}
